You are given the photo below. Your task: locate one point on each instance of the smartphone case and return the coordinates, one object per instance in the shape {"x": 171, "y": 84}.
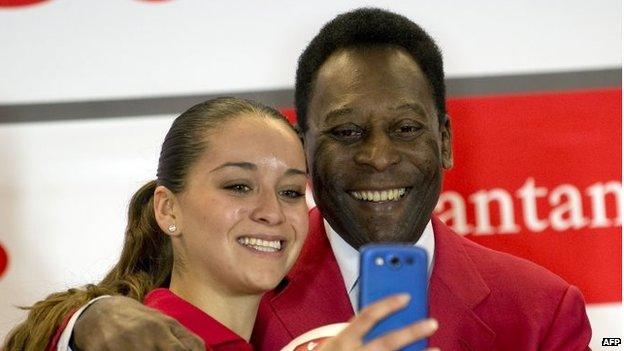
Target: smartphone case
{"x": 409, "y": 275}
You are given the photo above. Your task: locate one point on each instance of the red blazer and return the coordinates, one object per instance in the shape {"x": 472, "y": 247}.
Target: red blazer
{"x": 483, "y": 299}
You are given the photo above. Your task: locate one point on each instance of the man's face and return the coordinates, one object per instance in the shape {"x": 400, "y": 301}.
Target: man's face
{"x": 375, "y": 148}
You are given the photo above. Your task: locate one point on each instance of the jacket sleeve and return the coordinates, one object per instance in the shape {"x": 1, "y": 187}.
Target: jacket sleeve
{"x": 570, "y": 328}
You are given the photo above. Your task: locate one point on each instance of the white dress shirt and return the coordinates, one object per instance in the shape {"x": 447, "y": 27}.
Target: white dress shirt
{"x": 348, "y": 258}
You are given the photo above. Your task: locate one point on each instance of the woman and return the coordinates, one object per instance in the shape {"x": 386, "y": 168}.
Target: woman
{"x": 223, "y": 223}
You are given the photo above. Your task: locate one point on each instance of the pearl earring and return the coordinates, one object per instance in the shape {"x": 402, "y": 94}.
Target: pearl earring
{"x": 172, "y": 228}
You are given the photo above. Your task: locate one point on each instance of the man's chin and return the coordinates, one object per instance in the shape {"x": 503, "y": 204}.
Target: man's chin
{"x": 383, "y": 236}
{"x": 364, "y": 222}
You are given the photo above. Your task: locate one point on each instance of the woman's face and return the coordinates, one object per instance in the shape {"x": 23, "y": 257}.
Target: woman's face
{"x": 242, "y": 216}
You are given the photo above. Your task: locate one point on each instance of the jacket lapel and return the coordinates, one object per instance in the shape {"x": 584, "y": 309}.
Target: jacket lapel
{"x": 456, "y": 288}
{"x": 313, "y": 294}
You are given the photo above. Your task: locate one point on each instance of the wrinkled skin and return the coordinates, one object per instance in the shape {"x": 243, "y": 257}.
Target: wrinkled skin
{"x": 372, "y": 125}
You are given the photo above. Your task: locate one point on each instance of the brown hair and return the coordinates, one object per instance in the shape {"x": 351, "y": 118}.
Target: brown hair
{"x": 147, "y": 257}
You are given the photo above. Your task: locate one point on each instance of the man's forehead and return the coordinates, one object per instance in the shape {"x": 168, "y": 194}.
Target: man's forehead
{"x": 380, "y": 68}
{"x": 364, "y": 54}
{"x": 388, "y": 74}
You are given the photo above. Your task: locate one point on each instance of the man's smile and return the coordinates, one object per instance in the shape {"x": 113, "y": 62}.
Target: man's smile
{"x": 384, "y": 195}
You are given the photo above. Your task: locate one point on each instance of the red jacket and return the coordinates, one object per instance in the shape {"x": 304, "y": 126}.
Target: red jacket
{"x": 483, "y": 299}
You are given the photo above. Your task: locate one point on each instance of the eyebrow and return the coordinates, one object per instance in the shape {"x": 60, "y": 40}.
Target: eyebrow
{"x": 252, "y": 167}
{"x": 244, "y": 165}
{"x": 337, "y": 113}
{"x": 295, "y": 171}
{"x": 414, "y": 107}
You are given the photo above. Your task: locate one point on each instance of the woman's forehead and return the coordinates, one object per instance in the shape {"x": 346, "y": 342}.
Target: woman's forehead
{"x": 266, "y": 142}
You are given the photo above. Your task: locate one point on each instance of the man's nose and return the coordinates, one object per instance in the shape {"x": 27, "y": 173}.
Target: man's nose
{"x": 377, "y": 151}
{"x": 268, "y": 209}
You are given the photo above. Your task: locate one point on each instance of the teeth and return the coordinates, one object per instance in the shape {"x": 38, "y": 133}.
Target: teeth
{"x": 260, "y": 244}
{"x": 377, "y": 196}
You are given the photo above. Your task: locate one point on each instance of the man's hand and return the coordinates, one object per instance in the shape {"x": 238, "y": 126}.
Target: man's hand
{"x": 121, "y": 323}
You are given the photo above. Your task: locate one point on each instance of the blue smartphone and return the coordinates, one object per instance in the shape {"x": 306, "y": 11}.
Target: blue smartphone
{"x": 393, "y": 269}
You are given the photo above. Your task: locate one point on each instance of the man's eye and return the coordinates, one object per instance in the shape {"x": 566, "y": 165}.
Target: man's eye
{"x": 239, "y": 188}
{"x": 407, "y": 130}
{"x": 347, "y": 133}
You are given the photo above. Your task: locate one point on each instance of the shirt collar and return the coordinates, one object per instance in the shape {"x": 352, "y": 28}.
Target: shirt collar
{"x": 215, "y": 335}
{"x": 348, "y": 258}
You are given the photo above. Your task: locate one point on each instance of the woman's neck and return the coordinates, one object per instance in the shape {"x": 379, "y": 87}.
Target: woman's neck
{"x": 235, "y": 311}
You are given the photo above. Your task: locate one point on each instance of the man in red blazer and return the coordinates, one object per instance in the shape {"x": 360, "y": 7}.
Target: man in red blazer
{"x": 482, "y": 299}
{"x": 371, "y": 108}
{"x": 370, "y": 105}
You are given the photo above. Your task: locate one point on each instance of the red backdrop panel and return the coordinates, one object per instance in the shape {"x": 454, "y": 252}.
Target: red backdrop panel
{"x": 566, "y": 138}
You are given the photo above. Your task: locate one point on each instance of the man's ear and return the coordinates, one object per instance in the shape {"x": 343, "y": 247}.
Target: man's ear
{"x": 446, "y": 145}
{"x": 166, "y": 211}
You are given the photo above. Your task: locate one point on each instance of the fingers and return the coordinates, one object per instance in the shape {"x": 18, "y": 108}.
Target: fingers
{"x": 185, "y": 337}
{"x": 171, "y": 345}
{"x": 369, "y": 316}
{"x": 400, "y": 338}
{"x": 351, "y": 337}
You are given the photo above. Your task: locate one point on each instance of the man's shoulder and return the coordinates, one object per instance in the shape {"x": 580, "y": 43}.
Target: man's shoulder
{"x": 514, "y": 279}
{"x": 496, "y": 265}
{"x": 520, "y": 301}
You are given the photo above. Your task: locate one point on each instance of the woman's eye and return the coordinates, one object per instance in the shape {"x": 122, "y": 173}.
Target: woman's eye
{"x": 291, "y": 194}
{"x": 239, "y": 188}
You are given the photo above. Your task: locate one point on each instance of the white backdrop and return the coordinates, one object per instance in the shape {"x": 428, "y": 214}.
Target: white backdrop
{"x": 86, "y": 49}
{"x": 65, "y": 185}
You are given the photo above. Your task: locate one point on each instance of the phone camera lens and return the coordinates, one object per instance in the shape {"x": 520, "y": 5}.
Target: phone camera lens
{"x": 394, "y": 261}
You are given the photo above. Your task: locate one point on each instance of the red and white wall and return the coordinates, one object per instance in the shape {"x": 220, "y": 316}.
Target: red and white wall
{"x": 88, "y": 89}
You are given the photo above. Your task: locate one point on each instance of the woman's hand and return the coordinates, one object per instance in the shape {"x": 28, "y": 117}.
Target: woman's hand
{"x": 351, "y": 338}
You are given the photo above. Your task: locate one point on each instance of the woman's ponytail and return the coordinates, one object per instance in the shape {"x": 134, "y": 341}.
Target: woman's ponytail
{"x": 145, "y": 264}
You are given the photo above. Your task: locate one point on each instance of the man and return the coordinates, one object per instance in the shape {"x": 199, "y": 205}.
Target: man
{"x": 371, "y": 106}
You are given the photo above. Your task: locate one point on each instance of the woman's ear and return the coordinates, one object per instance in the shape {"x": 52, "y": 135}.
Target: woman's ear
{"x": 166, "y": 211}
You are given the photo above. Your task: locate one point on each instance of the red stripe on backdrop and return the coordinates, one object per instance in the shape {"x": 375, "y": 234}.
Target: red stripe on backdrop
{"x": 4, "y": 260}
{"x": 539, "y": 176}
{"x": 19, "y": 3}
{"x": 290, "y": 114}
